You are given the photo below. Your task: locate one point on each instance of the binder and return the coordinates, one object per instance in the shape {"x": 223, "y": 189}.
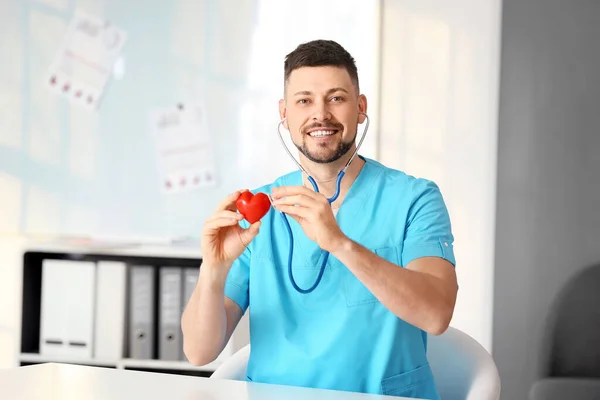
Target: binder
{"x": 67, "y": 308}
{"x": 142, "y": 323}
{"x": 170, "y": 336}
{"x": 190, "y": 278}
{"x": 111, "y": 304}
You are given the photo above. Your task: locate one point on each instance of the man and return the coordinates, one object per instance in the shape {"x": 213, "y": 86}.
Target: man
{"x": 390, "y": 277}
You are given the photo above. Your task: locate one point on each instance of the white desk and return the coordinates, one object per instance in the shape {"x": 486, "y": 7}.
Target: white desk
{"x": 72, "y": 382}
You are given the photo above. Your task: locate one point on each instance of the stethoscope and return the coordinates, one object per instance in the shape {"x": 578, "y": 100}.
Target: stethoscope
{"x": 330, "y": 200}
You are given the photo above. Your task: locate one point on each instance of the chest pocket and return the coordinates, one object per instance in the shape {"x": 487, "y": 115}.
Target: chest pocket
{"x": 356, "y": 292}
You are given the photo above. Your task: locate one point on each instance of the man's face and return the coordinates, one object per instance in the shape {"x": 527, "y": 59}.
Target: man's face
{"x": 322, "y": 110}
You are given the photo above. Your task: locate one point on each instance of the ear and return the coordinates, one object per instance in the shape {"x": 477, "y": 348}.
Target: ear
{"x": 283, "y": 113}
{"x": 362, "y": 108}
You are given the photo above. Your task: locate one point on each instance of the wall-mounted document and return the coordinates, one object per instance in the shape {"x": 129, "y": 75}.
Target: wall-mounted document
{"x": 85, "y": 59}
{"x": 184, "y": 149}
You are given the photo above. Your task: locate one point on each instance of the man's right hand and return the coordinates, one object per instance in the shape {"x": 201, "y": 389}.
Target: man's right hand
{"x": 223, "y": 239}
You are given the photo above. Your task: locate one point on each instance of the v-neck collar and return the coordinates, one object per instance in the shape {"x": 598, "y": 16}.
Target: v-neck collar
{"x": 346, "y": 214}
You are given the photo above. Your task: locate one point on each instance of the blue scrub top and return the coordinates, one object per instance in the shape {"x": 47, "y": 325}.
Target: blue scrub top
{"x": 340, "y": 336}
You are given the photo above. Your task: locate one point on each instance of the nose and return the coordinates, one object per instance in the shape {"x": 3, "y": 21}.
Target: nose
{"x": 321, "y": 112}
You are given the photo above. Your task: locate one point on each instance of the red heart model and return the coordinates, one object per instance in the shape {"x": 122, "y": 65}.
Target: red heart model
{"x": 253, "y": 207}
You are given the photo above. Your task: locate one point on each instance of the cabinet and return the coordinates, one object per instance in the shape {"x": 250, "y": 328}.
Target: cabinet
{"x": 158, "y": 258}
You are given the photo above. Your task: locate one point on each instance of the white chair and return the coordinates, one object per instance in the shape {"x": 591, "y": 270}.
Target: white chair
{"x": 234, "y": 367}
{"x": 462, "y": 368}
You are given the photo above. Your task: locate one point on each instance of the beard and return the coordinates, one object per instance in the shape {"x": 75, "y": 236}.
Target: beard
{"x": 323, "y": 155}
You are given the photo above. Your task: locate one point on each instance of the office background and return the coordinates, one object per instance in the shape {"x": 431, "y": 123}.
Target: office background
{"x": 493, "y": 100}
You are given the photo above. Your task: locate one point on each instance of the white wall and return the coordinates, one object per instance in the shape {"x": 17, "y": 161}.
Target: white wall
{"x": 440, "y": 72}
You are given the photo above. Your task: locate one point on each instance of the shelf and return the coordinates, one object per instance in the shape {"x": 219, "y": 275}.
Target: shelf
{"x": 187, "y": 251}
{"x": 126, "y": 363}
{"x": 40, "y": 358}
{"x": 161, "y": 364}
{"x": 153, "y": 255}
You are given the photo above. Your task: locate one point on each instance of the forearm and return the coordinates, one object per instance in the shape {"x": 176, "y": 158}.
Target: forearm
{"x": 417, "y": 298}
{"x": 204, "y": 321}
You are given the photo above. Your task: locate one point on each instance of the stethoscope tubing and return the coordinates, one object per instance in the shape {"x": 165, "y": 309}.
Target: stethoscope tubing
{"x": 330, "y": 200}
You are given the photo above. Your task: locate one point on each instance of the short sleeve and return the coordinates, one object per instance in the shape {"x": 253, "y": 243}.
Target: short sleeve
{"x": 428, "y": 229}
{"x": 237, "y": 284}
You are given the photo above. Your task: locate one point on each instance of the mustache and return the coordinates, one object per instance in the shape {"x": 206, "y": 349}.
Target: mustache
{"x": 326, "y": 125}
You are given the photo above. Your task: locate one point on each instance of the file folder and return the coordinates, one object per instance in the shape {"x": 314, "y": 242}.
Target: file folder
{"x": 111, "y": 304}
{"x": 190, "y": 278}
{"x": 67, "y": 308}
{"x": 142, "y": 323}
{"x": 170, "y": 336}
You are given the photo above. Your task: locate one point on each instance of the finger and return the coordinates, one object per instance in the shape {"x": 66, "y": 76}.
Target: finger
{"x": 295, "y": 211}
{"x": 228, "y": 203}
{"x": 247, "y": 235}
{"x": 281, "y": 191}
{"x": 226, "y": 214}
{"x": 298, "y": 199}
{"x": 218, "y": 223}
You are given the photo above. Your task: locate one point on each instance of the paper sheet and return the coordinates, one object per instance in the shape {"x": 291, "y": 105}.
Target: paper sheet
{"x": 85, "y": 60}
{"x": 185, "y": 153}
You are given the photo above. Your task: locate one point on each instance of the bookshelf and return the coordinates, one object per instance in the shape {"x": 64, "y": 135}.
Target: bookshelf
{"x": 141, "y": 254}
{"x": 123, "y": 363}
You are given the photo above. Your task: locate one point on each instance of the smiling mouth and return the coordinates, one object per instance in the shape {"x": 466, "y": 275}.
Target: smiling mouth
{"x": 322, "y": 133}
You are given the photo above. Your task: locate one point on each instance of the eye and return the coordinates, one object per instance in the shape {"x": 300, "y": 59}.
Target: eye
{"x": 337, "y": 99}
{"x": 303, "y": 101}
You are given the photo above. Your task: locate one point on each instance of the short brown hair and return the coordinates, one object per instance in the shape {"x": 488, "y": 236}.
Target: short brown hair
{"x": 319, "y": 53}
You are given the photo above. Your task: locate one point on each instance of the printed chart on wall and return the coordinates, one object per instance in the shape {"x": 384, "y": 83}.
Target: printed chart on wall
{"x": 185, "y": 153}
{"x": 85, "y": 59}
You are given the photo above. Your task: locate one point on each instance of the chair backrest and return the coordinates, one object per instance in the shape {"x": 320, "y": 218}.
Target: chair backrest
{"x": 234, "y": 367}
{"x": 571, "y": 348}
{"x": 462, "y": 368}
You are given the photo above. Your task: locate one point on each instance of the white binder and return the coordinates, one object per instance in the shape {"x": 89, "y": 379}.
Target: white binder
{"x": 67, "y": 308}
{"x": 111, "y": 305}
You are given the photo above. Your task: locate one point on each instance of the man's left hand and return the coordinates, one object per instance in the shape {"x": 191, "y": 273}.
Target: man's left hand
{"x": 313, "y": 212}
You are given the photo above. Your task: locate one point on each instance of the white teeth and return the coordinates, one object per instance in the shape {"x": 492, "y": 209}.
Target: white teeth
{"x": 322, "y": 133}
